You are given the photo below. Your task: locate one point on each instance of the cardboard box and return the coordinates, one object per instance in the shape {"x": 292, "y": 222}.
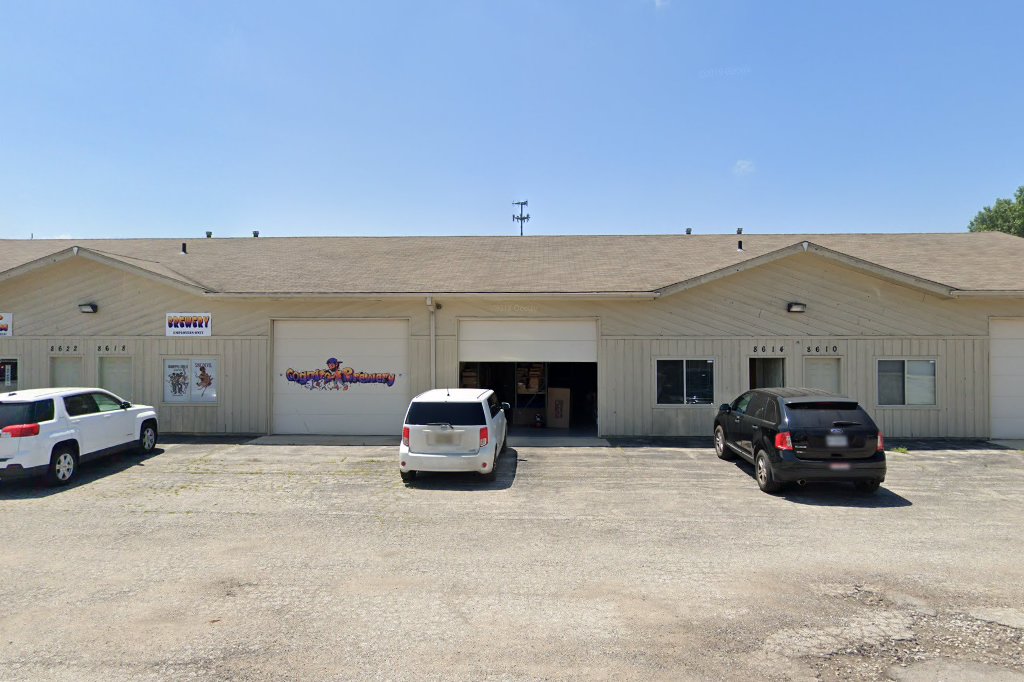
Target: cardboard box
{"x": 558, "y": 408}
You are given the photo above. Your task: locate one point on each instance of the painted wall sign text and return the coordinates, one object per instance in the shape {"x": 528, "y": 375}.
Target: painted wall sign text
{"x": 335, "y": 377}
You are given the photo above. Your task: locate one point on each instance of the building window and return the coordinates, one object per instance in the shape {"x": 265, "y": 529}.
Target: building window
{"x": 191, "y": 380}
{"x": 8, "y": 374}
{"x": 906, "y": 382}
{"x": 686, "y": 382}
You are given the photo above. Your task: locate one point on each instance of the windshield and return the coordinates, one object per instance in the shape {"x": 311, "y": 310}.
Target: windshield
{"x": 826, "y": 414}
{"x": 456, "y": 414}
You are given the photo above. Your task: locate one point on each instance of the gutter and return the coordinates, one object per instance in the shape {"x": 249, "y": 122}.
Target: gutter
{"x": 994, "y": 293}
{"x": 620, "y": 295}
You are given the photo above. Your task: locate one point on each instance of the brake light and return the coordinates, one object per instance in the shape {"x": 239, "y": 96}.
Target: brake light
{"x": 21, "y": 430}
{"x": 881, "y": 443}
{"x": 783, "y": 441}
{"x": 405, "y": 436}
{"x": 484, "y": 440}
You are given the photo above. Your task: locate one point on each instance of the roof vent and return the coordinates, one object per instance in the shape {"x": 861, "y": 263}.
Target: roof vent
{"x": 739, "y": 230}
{"x": 184, "y": 249}
{"x": 209, "y": 235}
{"x": 255, "y": 233}
{"x": 689, "y": 230}
{"x": 739, "y": 245}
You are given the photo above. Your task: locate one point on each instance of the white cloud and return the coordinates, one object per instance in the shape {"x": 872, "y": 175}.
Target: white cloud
{"x": 743, "y": 167}
{"x": 661, "y": 4}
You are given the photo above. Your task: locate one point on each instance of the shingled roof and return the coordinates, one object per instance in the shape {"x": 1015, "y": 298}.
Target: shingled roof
{"x": 953, "y": 264}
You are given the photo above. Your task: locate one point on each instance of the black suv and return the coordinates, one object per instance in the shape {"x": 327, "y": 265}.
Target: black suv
{"x": 801, "y": 434}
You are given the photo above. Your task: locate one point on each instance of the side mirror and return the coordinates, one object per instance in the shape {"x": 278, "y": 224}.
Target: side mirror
{"x": 725, "y": 407}
{"x": 506, "y": 406}
{"x": 125, "y": 404}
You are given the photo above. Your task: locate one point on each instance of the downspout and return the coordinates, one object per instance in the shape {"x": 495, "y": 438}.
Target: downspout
{"x": 433, "y": 342}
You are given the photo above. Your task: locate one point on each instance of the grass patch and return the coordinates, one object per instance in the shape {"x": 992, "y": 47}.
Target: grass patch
{"x": 902, "y": 450}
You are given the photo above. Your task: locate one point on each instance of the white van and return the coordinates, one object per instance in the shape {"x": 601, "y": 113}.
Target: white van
{"x": 453, "y": 429}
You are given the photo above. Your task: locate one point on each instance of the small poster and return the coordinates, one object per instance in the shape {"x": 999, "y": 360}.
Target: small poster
{"x": 9, "y": 374}
{"x": 6, "y": 324}
{"x": 189, "y": 324}
{"x": 204, "y": 380}
{"x": 176, "y": 374}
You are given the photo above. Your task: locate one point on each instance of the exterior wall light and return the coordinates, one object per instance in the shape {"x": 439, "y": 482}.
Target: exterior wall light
{"x": 87, "y": 307}
{"x": 796, "y": 307}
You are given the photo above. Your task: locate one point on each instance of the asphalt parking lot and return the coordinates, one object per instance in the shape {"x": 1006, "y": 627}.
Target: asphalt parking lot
{"x": 231, "y": 560}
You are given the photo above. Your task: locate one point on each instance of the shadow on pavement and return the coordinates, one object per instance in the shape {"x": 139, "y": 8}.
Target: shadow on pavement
{"x": 34, "y": 488}
{"x": 831, "y": 494}
{"x": 508, "y": 465}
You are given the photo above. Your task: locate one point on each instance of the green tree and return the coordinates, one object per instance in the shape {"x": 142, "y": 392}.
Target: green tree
{"x": 1006, "y": 216}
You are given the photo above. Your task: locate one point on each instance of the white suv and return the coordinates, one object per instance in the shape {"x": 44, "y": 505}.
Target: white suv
{"x": 453, "y": 429}
{"x": 50, "y": 431}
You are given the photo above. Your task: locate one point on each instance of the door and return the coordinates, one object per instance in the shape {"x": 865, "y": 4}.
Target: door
{"x": 116, "y": 375}
{"x": 767, "y": 372}
{"x": 563, "y": 340}
{"x": 750, "y": 422}
{"x": 738, "y": 432}
{"x": 1006, "y": 379}
{"x": 118, "y": 424}
{"x": 65, "y": 371}
{"x": 823, "y": 373}
{"x": 340, "y": 376}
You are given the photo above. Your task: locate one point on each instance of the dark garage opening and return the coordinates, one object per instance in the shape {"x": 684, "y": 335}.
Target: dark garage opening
{"x": 557, "y": 396}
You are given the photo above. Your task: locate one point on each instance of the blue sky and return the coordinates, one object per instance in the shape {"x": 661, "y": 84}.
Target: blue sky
{"x": 610, "y": 116}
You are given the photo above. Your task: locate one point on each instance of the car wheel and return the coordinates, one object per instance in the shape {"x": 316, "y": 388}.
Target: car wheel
{"x": 763, "y": 470}
{"x": 147, "y": 439}
{"x": 63, "y": 467}
{"x": 867, "y": 487}
{"x": 504, "y": 445}
{"x": 408, "y": 476}
{"x": 721, "y": 449}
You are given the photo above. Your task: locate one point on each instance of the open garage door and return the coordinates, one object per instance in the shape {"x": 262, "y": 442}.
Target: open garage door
{"x": 528, "y": 340}
{"x": 348, "y": 377}
{"x": 1006, "y": 383}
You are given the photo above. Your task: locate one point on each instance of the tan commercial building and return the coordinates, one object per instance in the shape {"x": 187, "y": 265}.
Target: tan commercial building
{"x": 623, "y": 335}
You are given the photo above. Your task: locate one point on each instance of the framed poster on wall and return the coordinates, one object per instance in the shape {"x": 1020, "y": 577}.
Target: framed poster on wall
{"x": 6, "y": 324}
{"x": 204, "y": 380}
{"x": 176, "y": 381}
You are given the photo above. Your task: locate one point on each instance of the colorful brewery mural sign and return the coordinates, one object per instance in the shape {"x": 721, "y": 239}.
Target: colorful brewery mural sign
{"x": 188, "y": 324}
{"x": 337, "y": 378}
{"x": 6, "y": 324}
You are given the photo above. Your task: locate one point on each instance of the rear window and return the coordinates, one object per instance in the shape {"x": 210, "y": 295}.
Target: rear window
{"x": 25, "y": 413}
{"x": 825, "y": 413}
{"x": 456, "y": 414}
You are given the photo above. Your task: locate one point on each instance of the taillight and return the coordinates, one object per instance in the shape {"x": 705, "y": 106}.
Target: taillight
{"x": 484, "y": 440}
{"x": 405, "y": 436}
{"x": 21, "y": 430}
{"x": 881, "y": 443}
{"x": 783, "y": 441}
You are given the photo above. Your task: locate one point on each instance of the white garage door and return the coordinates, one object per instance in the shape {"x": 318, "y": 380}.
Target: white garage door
{"x": 528, "y": 341}
{"x": 1006, "y": 385}
{"x": 341, "y": 376}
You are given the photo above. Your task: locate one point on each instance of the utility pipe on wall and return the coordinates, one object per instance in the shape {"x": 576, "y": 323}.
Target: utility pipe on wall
{"x": 433, "y": 342}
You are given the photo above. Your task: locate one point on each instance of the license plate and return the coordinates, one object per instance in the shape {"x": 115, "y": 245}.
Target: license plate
{"x": 445, "y": 438}
{"x": 836, "y": 441}
{"x": 839, "y": 466}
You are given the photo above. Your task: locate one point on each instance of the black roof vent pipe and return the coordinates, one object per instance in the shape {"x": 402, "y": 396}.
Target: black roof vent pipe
{"x": 739, "y": 245}
{"x": 184, "y": 249}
